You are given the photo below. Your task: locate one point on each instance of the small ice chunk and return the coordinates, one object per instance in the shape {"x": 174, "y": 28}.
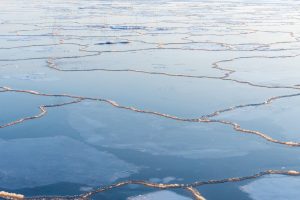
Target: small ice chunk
{"x": 160, "y": 195}
{"x": 85, "y": 188}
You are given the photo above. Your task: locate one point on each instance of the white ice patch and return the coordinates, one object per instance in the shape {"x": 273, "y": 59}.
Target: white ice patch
{"x": 85, "y": 189}
{"x": 277, "y": 187}
{"x": 160, "y": 195}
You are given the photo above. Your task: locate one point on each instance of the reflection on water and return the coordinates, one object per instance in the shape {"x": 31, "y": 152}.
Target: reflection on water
{"x": 43, "y": 163}
{"x": 118, "y": 100}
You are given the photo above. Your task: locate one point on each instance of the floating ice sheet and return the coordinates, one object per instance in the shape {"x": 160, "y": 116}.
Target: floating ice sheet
{"x": 273, "y": 187}
{"x": 44, "y": 161}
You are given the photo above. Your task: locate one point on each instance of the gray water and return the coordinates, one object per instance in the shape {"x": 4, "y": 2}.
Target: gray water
{"x": 143, "y": 73}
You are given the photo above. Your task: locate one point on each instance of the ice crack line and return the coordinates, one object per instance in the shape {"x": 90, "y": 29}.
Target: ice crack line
{"x": 203, "y": 119}
{"x": 216, "y": 65}
{"x": 190, "y": 187}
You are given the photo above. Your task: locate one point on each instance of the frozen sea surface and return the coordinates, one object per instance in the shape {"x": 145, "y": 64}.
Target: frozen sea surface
{"x": 94, "y": 93}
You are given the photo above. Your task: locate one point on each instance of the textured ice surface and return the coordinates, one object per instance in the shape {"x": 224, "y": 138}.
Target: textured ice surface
{"x": 39, "y": 162}
{"x": 99, "y": 125}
